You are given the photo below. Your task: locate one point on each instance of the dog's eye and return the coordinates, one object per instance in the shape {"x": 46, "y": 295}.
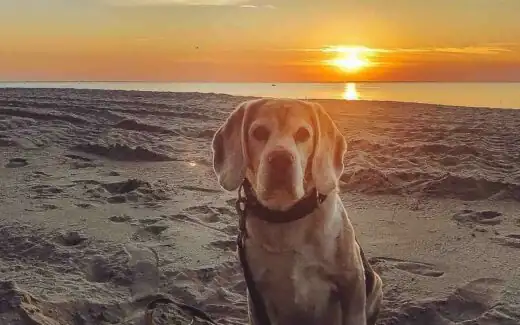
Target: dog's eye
{"x": 302, "y": 135}
{"x": 261, "y": 133}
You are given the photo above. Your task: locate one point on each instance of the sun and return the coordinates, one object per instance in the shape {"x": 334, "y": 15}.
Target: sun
{"x": 349, "y": 59}
{"x": 349, "y": 62}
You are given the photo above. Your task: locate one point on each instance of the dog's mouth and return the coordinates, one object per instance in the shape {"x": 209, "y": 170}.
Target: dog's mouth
{"x": 279, "y": 191}
{"x": 278, "y": 201}
{"x": 280, "y": 180}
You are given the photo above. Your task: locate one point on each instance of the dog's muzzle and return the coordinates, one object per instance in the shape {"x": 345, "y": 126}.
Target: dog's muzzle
{"x": 281, "y": 164}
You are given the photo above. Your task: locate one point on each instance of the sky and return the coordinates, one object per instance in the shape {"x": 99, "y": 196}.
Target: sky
{"x": 260, "y": 40}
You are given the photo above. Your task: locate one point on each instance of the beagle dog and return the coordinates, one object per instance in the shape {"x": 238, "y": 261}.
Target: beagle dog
{"x": 311, "y": 270}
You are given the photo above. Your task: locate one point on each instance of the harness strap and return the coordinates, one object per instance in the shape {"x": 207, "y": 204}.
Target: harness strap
{"x": 301, "y": 209}
{"x": 259, "y": 308}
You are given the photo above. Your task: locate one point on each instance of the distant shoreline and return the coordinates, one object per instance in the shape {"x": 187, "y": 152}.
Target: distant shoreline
{"x": 261, "y": 82}
{"x": 383, "y": 102}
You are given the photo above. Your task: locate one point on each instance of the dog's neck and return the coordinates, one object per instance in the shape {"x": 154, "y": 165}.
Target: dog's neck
{"x": 299, "y": 210}
{"x": 279, "y": 231}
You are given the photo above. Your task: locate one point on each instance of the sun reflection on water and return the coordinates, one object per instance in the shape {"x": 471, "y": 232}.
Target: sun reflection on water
{"x": 350, "y": 92}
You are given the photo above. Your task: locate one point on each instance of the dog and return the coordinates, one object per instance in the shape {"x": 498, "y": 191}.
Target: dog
{"x": 311, "y": 270}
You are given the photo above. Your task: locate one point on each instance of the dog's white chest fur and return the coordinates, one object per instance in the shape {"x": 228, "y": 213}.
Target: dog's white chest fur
{"x": 312, "y": 289}
{"x": 297, "y": 285}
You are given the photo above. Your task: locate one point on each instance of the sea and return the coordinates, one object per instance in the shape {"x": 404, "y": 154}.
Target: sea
{"x": 471, "y": 94}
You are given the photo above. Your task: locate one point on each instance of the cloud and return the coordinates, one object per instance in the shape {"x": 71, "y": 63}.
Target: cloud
{"x": 473, "y": 50}
{"x": 454, "y": 50}
{"x": 177, "y": 2}
{"x": 350, "y": 49}
{"x": 477, "y": 49}
{"x": 258, "y": 7}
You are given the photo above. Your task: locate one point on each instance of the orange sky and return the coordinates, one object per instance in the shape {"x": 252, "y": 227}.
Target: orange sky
{"x": 240, "y": 40}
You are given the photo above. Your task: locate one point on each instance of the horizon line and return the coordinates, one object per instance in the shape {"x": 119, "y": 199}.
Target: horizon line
{"x": 262, "y": 82}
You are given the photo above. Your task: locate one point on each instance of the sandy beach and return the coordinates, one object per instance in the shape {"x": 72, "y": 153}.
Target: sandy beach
{"x": 109, "y": 197}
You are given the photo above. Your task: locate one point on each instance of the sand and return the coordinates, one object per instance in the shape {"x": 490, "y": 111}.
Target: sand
{"x": 108, "y": 197}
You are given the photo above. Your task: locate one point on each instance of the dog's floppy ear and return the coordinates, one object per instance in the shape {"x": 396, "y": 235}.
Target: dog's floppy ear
{"x": 327, "y": 164}
{"x": 229, "y": 147}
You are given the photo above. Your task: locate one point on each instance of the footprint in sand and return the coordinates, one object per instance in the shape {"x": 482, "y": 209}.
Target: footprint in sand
{"x": 78, "y": 157}
{"x": 156, "y": 229}
{"x": 46, "y": 189}
{"x": 203, "y": 209}
{"x": 150, "y": 220}
{"x": 512, "y": 240}
{"x": 79, "y": 162}
{"x": 231, "y": 229}
{"x": 98, "y": 269}
{"x": 47, "y": 207}
{"x": 143, "y": 261}
{"x": 180, "y": 217}
{"x": 40, "y": 174}
{"x": 206, "y": 213}
{"x": 71, "y": 238}
{"x": 149, "y": 232}
{"x": 231, "y": 202}
{"x": 116, "y": 199}
{"x": 226, "y": 244}
{"x": 84, "y": 205}
{"x": 473, "y": 300}
{"x": 418, "y": 268}
{"x": 226, "y": 211}
{"x": 16, "y": 163}
{"x": 478, "y": 217}
{"x": 476, "y": 302}
{"x": 119, "y": 219}
{"x": 199, "y": 189}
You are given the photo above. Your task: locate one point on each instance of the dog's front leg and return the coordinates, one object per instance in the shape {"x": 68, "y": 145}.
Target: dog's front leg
{"x": 352, "y": 295}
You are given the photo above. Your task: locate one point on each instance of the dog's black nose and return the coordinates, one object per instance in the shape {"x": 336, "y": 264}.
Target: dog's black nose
{"x": 280, "y": 160}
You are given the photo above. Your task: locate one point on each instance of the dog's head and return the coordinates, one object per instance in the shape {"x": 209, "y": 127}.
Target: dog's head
{"x": 283, "y": 147}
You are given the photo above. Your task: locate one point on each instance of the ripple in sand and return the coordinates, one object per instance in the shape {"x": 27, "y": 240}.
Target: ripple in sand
{"x": 478, "y": 217}
{"x": 417, "y": 268}
{"x": 121, "y": 152}
{"x": 449, "y": 185}
{"x": 17, "y": 162}
{"x": 129, "y": 124}
{"x": 43, "y": 116}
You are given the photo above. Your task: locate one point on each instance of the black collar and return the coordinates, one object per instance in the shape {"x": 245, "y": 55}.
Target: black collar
{"x": 299, "y": 210}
